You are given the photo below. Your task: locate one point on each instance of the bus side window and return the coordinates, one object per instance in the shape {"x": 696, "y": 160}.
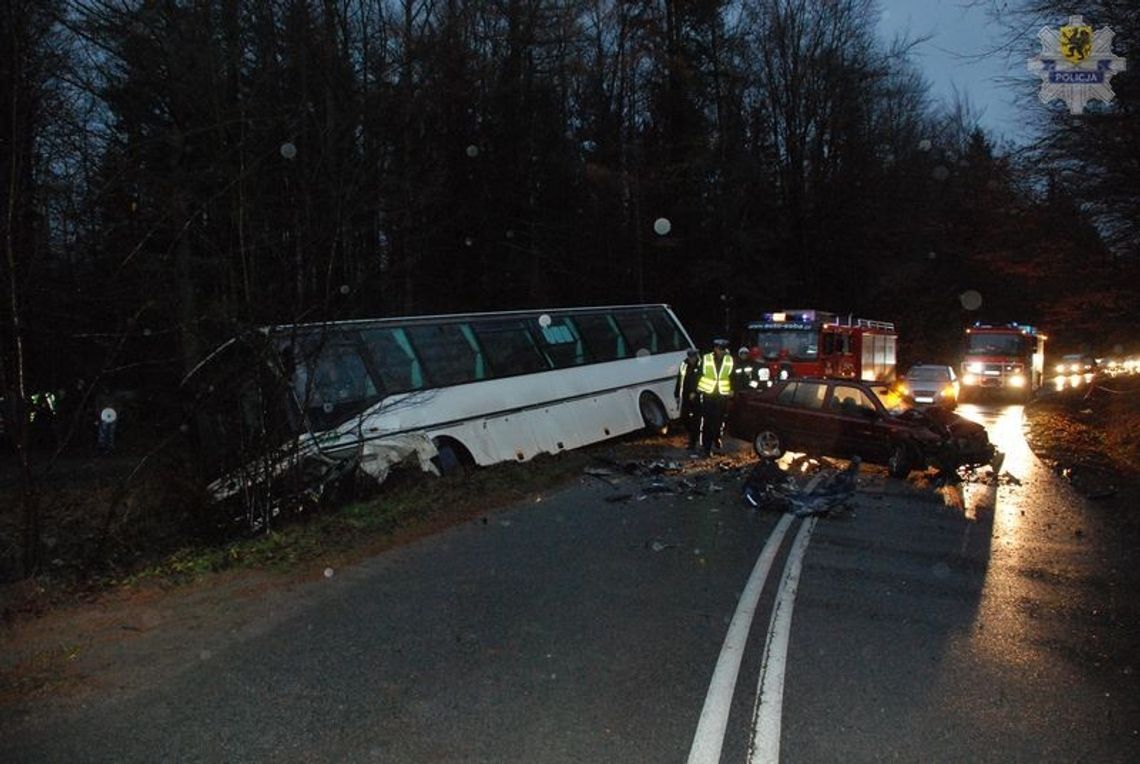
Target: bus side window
{"x": 510, "y": 348}
{"x": 667, "y": 334}
{"x": 638, "y": 332}
{"x": 602, "y": 337}
{"x": 560, "y": 342}
{"x": 480, "y": 362}
{"x": 447, "y": 355}
{"x": 394, "y": 360}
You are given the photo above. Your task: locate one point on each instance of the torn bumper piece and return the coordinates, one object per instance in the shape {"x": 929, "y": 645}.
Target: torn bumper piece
{"x": 377, "y": 457}
{"x": 304, "y": 472}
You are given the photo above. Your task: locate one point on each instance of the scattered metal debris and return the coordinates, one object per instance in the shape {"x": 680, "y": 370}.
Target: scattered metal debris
{"x": 823, "y": 491}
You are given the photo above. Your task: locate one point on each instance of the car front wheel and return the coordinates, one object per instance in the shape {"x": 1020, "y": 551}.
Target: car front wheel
{"x": 900, "y": 461}
{"x": 767, "y": 445}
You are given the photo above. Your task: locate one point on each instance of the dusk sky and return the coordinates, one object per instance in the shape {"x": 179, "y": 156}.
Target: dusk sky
{"x": 969, "y": 53}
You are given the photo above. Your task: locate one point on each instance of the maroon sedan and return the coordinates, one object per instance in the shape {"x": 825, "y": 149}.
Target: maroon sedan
{"x": 845, "y": 418}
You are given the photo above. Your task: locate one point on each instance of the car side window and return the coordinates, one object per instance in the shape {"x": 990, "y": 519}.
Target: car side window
{"x": 806, "y": 395}
{"x": 787, "y": 396}
{"x": 850, "y": 400}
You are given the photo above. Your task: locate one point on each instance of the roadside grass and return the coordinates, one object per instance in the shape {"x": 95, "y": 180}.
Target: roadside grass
{"x": 408, "y": 505}
{"x": 1100, "y": 429}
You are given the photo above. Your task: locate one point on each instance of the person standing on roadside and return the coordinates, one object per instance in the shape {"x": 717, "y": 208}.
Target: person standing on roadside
{"x": 715, "y": 387}
{"x": 107, "y": 421}
{"x": 685, "y": 392}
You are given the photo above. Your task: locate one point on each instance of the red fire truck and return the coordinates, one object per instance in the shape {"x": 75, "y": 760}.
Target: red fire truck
{"x": 1003, "y": 358}
{"x": 800, "y": 343}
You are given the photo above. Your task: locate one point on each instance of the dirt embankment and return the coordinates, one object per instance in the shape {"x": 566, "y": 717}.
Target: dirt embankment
{"x": 1091, "y": 436}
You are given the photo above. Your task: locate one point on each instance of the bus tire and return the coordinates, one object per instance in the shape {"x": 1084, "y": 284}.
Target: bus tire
{"x": 653, "y": 414}
{"x": 453, "y": 458}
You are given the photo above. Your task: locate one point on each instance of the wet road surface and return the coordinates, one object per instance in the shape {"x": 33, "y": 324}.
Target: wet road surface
{"x": 998, "y": 623}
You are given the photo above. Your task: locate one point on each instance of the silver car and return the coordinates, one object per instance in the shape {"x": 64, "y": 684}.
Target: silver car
{"x": 932, "y": 385}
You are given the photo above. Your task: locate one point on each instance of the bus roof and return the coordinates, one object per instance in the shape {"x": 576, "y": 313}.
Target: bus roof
{"x": 450, "y": 317}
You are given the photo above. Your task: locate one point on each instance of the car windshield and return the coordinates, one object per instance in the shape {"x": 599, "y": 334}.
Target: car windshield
{"x": 927, "y": 373}
{"x": 894, "y": 402}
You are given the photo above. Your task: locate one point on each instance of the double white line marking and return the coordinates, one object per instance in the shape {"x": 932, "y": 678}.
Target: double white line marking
{"x": 765, "y": 747}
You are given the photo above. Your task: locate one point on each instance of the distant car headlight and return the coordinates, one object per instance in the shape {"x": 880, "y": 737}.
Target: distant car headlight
{"x": 969, "y": 379}
{"x": 1060, "y": 368}
{"x": 1017, "y": 380}
{"x": 975, "y": 368}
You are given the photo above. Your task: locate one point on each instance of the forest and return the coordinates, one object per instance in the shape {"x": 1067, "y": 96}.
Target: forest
{"x": 177, "y": 171}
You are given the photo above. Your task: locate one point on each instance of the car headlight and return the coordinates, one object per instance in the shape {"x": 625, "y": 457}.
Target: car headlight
{"x": 1060, "y": 368}
{"x": 969, "y": 379}
{"x": 1017, "y": 380}
{"x": 975, "y": 368}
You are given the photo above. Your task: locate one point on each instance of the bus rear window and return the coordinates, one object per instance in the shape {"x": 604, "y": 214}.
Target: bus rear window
{"x": 669, "y": 337}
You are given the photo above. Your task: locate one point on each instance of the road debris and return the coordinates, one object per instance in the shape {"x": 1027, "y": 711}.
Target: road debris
{"x": 822, "y": 491}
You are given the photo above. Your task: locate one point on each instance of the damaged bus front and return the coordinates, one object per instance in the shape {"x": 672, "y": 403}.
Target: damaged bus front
{"x": 285, "y": 410}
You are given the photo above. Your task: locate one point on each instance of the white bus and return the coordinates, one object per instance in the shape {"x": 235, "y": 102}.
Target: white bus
{"x": 484, "y": 387}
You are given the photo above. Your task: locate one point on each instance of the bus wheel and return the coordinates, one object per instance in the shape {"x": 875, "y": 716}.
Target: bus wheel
{"x": 453, "y": 458}
{"x": 767, "y": 445}
{"x": 653, "y": 414}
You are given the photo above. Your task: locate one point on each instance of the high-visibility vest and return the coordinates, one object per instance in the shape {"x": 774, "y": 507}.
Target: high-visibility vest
{"x": 681, "y": 374}
{"x": 711, "y": 381}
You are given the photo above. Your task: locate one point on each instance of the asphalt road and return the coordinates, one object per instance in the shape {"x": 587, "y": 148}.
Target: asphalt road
{"x": 998, "y": 623}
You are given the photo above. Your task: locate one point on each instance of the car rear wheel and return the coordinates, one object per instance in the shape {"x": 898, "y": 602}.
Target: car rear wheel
{"x": 900, "y": 462}
{"x": 767, "y": 445}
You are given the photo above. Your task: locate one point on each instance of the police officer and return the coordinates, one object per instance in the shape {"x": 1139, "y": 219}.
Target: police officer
{"x": 685, "y": 392}
{"x": 715, "y": 387}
